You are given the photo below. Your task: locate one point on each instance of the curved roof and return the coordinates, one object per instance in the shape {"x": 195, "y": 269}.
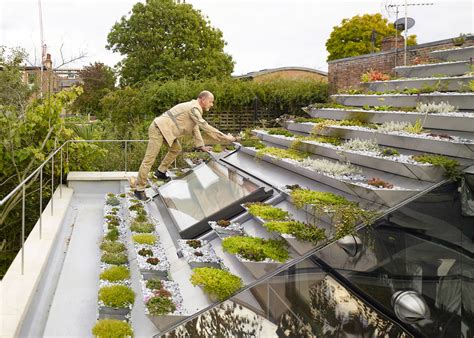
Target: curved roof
{"x": 274, "y": 70}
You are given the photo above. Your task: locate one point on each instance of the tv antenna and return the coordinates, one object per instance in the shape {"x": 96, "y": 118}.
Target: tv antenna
{"x": 43, "y": 47}
{"x": 403, "y": 24}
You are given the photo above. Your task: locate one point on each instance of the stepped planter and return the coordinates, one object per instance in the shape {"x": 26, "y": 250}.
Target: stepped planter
{"x": 300, "y": 247}
{"x": 446, "y": 84}
{"x": 454, "y": 54}
{"x": 199, "y": 256}
{"x": 454, "y": 68}
{"x": 233, "y": 229}
{"x": 460, "y": 148}
{"x": 401, "y": 165}
{"x": 152, "y": 261}
{"x": 388, "y": 197}
{"x": 460, "y": 100}
{"x": 165, "y": 320}
{"x": 459, "y": 121}
{"x": 259, "y": 269}
{"x": 106, "y": 312}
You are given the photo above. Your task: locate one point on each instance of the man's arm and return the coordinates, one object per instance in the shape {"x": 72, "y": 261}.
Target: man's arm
{"x": 210, "y": 130}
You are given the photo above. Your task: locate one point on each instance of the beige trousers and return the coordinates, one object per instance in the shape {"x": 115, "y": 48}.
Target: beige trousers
{"x": 155, "y": 141}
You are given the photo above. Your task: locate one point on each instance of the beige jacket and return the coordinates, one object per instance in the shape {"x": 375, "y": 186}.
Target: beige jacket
{"x": 185, "y": 119}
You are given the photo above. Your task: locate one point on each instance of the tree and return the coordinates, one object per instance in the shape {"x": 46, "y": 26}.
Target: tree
{"x": 99, "y": 80}
{"x": 353, "y": 36}
{"x": 162, "y": 40}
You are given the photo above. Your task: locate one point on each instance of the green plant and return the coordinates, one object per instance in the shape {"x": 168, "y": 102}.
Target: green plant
{"x": 309, "y": 119}
{"x": 302, "y": 197}
{"x": 142, "y": 227}
{"x": 115, "y": 273}
{"x": 450, "y": 166}
{"x": 112, "y": 246}
{"x": 112, "y": 328}
{"x": 374, "y": 75}
{"x": 252, "y": 142}
{"x": 154, "y": 284}
{"x": 141, "y": 218}
{"x": 116, "y": 296}
{"x": 416, "y": 128}
{"x": 223, "y": 223}
{"x": 280, "y": 131}
{"x": 361, "y": 145}
{"x": 122, "y": 195}
{"x": 471, "y": 85}
{"x": 217, "y": 148}
{"x": 331, "y": 167}
{"x": 116, "y": 258}
{"x": 194, "y": 243}
{"x": 112, "y": 234}
{"x": 256, "y": 249}
{"x": 302, "y": 231}
{"x": 460, "y": 40}
{"x": 160, "y": 305}
{"x": 136, "y": 207}
{"x": 334, "y": 140}
{"x": 267, "y": 211}
{"x": 145, "y": 252}
{"x": 144, "y": 239}
{"x": 216, "y": 282}
{"x": 282, "y": 153}
{"x": 389, "y": 152}
{"x": 434, "y": 108}
{"x": 112, "y": 200}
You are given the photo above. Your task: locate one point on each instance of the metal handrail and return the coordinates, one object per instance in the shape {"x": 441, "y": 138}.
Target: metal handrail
{"x": 39, "y": 170}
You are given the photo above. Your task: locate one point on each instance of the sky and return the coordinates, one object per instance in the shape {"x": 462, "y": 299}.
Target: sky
{"x": 260, "y": 34}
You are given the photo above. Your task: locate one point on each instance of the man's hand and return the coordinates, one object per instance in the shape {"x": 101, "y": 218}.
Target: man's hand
{"x": 205, "y": 148}
{"x": 230, "y": 138}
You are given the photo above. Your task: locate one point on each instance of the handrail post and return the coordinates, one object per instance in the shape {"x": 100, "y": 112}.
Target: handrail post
{"x": 52, "y": 184}
{"x": 61, "y": 176}
{"x": 23, "y": 230}
{"x": 126, "y": 156}
{"x": 41, "y": 202}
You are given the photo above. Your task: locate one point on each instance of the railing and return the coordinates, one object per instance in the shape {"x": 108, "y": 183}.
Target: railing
{"x": 39, "y": 172}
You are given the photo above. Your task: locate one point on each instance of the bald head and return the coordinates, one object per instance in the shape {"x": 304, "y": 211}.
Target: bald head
{"x": 205, "y": 100}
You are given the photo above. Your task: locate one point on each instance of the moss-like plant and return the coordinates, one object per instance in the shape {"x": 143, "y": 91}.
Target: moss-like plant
{"x": 116, "y": 296}
{"x": 145, "y": 252}
{"x": 122, "y": 195}
{"x": 115, "y": 273}
{"x": 223, "y": 223}
{"x": 308, "y": 119}
{"x": 112, "y": 246}
{"x": 302, "y": 197}
{"x": 267, "y": 211}
{"x": 136, "y": 207}
{"x": 112, "y": 328}
{"x": 280, "y": 131}
{"x": 113, "y": 201}
{"x": 282, "y": 153}
{"x": 451, "y": 167}
{"x": 334, "y": 140}
{"x": 116, "y": 258}
{"x": 141, "y": 218}
{"x": 217, "y": 148}
{"x": 194, "y": 243}
{"x": 216, "y": 282}
{"x": 302, "y": 231}
{"x": 154, "y": 284}
{"x": 112, "y": 217}
{"x": 256, "y": 249}
{"x": 144, "y": 239}
{"x": 389, "y": 152}
{"x": 160, "y": 305}
{"x": 252, "y": 142}
{"x": 112, "y": 234}
{"x": 145, "y": 227}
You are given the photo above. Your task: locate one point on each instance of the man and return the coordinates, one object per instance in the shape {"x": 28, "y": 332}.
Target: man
{"x": 183, "y": 119}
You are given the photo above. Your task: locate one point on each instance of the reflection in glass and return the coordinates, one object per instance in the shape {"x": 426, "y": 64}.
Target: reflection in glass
{"x": 208, "y": 189}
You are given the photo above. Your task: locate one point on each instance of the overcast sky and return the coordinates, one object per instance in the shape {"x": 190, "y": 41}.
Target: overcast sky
{"x": 259, "y": 33}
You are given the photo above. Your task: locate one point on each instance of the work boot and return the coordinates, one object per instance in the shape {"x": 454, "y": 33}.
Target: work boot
{"x": 141, "y": 195}
{"x": 161, "y": 176}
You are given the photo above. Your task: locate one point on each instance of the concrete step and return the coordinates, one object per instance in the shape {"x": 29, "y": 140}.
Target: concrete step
{"x": 460, "y": 100}
{"x": 454, "y": 54}
{"x": 405, "y": 187}
{"x": 405, "y": 141}
{"x": 455, "y": 68}
{"x": 437, "y": 121}
{"x": 390, "y": 164}
{"x": 443, "y": 84}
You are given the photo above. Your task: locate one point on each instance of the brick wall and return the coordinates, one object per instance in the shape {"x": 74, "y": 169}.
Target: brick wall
{"x": 345, "y": 73}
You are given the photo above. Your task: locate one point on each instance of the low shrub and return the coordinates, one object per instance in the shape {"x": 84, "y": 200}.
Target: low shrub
{"x": 112, "y": 328}
{"x": 112, "y": 234}
{"x": 115, "y": 273}
{"x": 117, "y": 258}
{"x": 112, "y": 246}
{"x": 216, "y": 282}
{"x": 256, "y": 249}
{"x": 160, "y": 305}
{"x": 145, "y": 227}
{"x": 144, "y": 239}
{"x": 116, "y": 296}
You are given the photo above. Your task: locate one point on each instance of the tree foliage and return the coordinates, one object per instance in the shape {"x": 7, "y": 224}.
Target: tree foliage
{"x": 353, "y": 36}
{"x": 99, "y": 80}
{"x": 162, "y": 40}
